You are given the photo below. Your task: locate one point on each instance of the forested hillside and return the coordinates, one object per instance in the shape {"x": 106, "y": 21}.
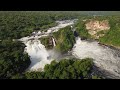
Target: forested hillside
{"x": 111, "y": 37}
{"x": 65, "y": 69}
{"x": 64, "y": 39}
{"x": 17, "y": 24}
{"x": 13, "y": 60}
{"x": 14, "y": 25}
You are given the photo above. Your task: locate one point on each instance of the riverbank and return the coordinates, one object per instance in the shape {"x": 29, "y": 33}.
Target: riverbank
{"x": 107, "y": 26}
{"x": 104, "y": 57}
{"x": 38, "y": 53}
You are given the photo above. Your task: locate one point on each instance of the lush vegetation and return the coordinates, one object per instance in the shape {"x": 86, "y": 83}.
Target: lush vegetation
{"x": 12, "y": 58}
{"x": 81, "y": 30}
{"x": 64, "y": 39}
{"x": 65, "y": 69}
{"x": 14, "y": 24}
{"x": 47, "y": 42}
{"x": 19, "y": 24}
{"x": 111, "y": 37}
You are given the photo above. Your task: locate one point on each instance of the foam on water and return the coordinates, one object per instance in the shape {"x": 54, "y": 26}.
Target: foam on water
{"x": 104, "y": 57}
{"x": 39, "y": 56}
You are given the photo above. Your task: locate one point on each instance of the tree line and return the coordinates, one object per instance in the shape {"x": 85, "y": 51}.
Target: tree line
{"x": 64, "y": 69}
{"x": 17, "y": 24}
{"x": 13, "y": 60}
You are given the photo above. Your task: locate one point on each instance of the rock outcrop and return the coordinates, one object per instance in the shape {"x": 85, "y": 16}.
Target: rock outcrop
{"x": 97, "y": 28}
{"x": 48, "y": 42}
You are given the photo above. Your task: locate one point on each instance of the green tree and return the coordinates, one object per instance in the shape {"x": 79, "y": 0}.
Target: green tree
{"x": 65, "y": 69}
{"x": 12, "y": 58}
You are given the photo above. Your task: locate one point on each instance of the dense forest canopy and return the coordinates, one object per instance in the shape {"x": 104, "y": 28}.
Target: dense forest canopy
{"x": 65, "y": 69}
{"x": 111, "y": 37}
{"x": 64, "y": 35}
{"x": 12, "y": 58}
{"x": 17, "y": 24}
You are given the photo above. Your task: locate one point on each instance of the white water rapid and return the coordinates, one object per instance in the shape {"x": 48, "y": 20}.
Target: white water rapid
{"x": 103, "y": 56}
{"x": 39, "y": 56}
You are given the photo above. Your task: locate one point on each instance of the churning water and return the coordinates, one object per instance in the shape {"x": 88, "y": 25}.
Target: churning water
{"x": 104, "y": 57}
{"x": 39, "y": 56}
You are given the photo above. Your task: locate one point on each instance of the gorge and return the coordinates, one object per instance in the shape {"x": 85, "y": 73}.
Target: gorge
{"x": 104, "y": 57}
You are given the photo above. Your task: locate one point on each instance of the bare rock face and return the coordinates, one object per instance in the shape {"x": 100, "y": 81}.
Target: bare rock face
{"x": 50, "y": 42}
{"x": 95, "y": 26}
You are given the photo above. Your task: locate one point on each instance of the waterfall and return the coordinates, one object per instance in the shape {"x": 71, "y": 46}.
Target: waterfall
{"x": 53, "y": 42}
{"x": 38, "y": 54}
{"x": 39, "y": 34}
{"x": 104, "y": 57}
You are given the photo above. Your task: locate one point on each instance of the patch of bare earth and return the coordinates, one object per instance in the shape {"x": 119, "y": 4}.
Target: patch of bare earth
{"x": 97, "y": 28}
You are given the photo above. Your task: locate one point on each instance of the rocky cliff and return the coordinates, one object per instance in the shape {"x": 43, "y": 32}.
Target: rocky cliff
{"x": 97, "y": 28}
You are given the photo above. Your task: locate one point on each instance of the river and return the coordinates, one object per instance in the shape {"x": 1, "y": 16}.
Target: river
{"x": 105, "y": 58}
{"x": 39, "y": 56}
